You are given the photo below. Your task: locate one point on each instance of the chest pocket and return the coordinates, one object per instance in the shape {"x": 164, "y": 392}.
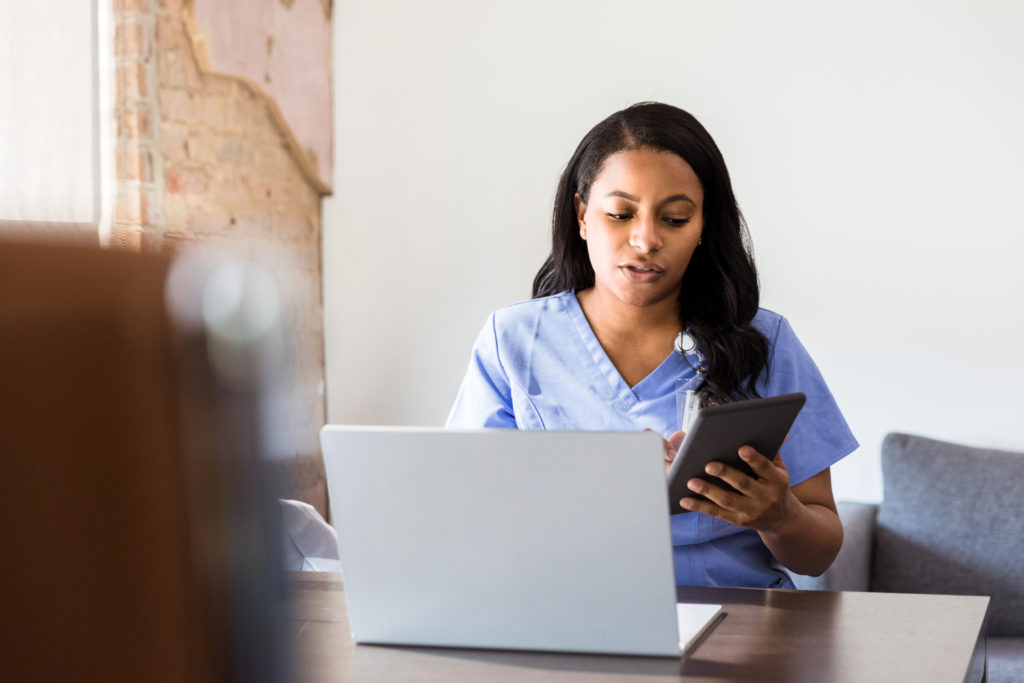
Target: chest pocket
{"x": 526, "y": 413}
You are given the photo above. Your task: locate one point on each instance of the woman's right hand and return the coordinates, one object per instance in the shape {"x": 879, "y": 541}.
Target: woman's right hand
{"x": 672, "y": 445}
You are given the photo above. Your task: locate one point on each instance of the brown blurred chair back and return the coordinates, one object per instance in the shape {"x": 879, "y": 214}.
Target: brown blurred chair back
{"x": 116, "y": 442}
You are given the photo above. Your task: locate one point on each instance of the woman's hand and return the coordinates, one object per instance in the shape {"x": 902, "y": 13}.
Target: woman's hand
{"x": 672, "y": 447}
{"x": 763, "y": 504}
{"x": 799, "y": 525}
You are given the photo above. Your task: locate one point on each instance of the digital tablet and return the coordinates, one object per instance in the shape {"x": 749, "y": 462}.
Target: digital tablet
{"x": 719, "y": 431}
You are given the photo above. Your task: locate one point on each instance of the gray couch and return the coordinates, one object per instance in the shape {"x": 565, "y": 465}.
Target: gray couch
{"x": 951, "y": 522}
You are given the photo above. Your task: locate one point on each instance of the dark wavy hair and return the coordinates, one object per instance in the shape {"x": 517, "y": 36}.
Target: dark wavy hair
{"x": 720, "y": 291}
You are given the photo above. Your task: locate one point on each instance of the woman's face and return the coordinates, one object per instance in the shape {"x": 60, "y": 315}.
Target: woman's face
{"x": 641, "y": 224}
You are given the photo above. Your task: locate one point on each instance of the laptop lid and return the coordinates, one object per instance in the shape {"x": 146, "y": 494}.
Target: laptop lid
{"x": 504, "y": 539}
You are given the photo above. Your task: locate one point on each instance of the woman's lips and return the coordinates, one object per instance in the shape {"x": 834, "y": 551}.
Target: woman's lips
{"x": 640, "y": 272}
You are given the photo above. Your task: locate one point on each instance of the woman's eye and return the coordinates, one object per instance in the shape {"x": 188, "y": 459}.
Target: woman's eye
{"x": 677, "y": 221}
{"x": 620, "y": 216}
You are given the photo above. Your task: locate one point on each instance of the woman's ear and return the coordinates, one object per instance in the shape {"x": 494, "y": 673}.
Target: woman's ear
{"x": 581, "y": 210}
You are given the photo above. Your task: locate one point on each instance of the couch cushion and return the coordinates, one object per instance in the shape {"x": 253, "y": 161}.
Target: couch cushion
{"x": 951, "y": 522}
{"x": 1004, "y": 662}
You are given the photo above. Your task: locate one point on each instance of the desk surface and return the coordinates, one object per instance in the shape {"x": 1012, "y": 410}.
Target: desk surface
{"x": 764, "y": 635}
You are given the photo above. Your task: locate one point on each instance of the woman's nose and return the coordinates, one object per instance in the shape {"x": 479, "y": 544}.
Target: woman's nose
{"x": 645, "y": 236}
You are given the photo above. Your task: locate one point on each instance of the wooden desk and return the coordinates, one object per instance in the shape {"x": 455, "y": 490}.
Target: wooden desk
{"x": 765, "y": 635}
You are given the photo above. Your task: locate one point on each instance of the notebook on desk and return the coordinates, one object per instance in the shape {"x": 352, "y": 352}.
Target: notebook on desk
{"x": 507, "y": 539}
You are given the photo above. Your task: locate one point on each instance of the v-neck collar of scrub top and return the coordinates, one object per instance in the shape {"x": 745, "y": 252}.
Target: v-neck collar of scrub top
{"x": 675, "y": 366}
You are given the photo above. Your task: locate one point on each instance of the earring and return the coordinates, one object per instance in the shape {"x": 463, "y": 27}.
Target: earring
{"x": 583, "y": 233}
{"x": 699, "y": 240}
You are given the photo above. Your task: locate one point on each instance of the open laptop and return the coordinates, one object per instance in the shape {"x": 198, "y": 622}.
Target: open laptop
{"x": 507, "y": 539}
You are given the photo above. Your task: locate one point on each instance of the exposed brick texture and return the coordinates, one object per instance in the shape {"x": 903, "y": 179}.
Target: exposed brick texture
{"x": 202, "y": 156}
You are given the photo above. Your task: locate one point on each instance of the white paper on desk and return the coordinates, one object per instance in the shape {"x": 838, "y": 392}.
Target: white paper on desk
{"x": 310, "y": 543}
{"x": 694, "y": 620}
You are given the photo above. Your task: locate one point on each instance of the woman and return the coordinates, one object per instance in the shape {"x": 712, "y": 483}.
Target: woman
{"x": 650, "y": 284}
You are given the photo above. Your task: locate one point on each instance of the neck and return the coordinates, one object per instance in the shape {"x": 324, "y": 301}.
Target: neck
{"x": 608, "y": 315}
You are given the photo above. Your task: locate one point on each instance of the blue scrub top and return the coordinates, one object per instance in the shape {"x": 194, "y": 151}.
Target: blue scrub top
{"x": 538, "y": 365}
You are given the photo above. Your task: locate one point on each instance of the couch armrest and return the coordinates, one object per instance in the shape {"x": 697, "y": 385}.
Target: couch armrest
{"x": 851, "y": 570}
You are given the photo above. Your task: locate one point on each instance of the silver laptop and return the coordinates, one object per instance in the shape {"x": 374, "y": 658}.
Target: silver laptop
{"x": 507, "y": 539}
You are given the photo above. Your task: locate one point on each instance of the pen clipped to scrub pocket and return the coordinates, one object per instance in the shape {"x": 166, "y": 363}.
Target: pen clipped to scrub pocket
{"x": 688, "y": 403}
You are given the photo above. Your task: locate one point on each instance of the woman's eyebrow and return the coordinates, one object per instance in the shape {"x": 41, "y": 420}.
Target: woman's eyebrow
{"x": 678, "y": 198}
{"x": 668, "y": 200}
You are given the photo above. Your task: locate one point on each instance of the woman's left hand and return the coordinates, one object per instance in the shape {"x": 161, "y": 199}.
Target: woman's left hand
{"x": 762, "y": 504}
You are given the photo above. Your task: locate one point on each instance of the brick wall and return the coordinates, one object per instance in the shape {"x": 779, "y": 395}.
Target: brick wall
{"x": 137, "y": 211}
{"x": 203, "y": 155}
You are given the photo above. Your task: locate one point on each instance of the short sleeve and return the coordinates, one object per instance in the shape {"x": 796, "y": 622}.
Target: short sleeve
{"x": 485, "y": 396}
{"x": 820, "y": 437}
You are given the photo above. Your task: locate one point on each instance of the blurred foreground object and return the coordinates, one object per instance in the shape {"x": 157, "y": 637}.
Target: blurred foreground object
{"x": 140, "y": 535}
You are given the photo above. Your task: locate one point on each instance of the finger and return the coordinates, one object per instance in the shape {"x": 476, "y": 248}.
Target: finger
{"x": 741, "y": 481}
{"x": 676, "y": 439}
{"x": 779, "y": 462}
{"x": 708, "y": 508}
{"x": 716, "y": 494}
{"x": 760, "y": 465}
{"x": 772, "y": 473}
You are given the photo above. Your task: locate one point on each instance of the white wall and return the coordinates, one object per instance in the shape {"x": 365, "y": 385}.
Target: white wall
{"x": 876, "y": 150}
